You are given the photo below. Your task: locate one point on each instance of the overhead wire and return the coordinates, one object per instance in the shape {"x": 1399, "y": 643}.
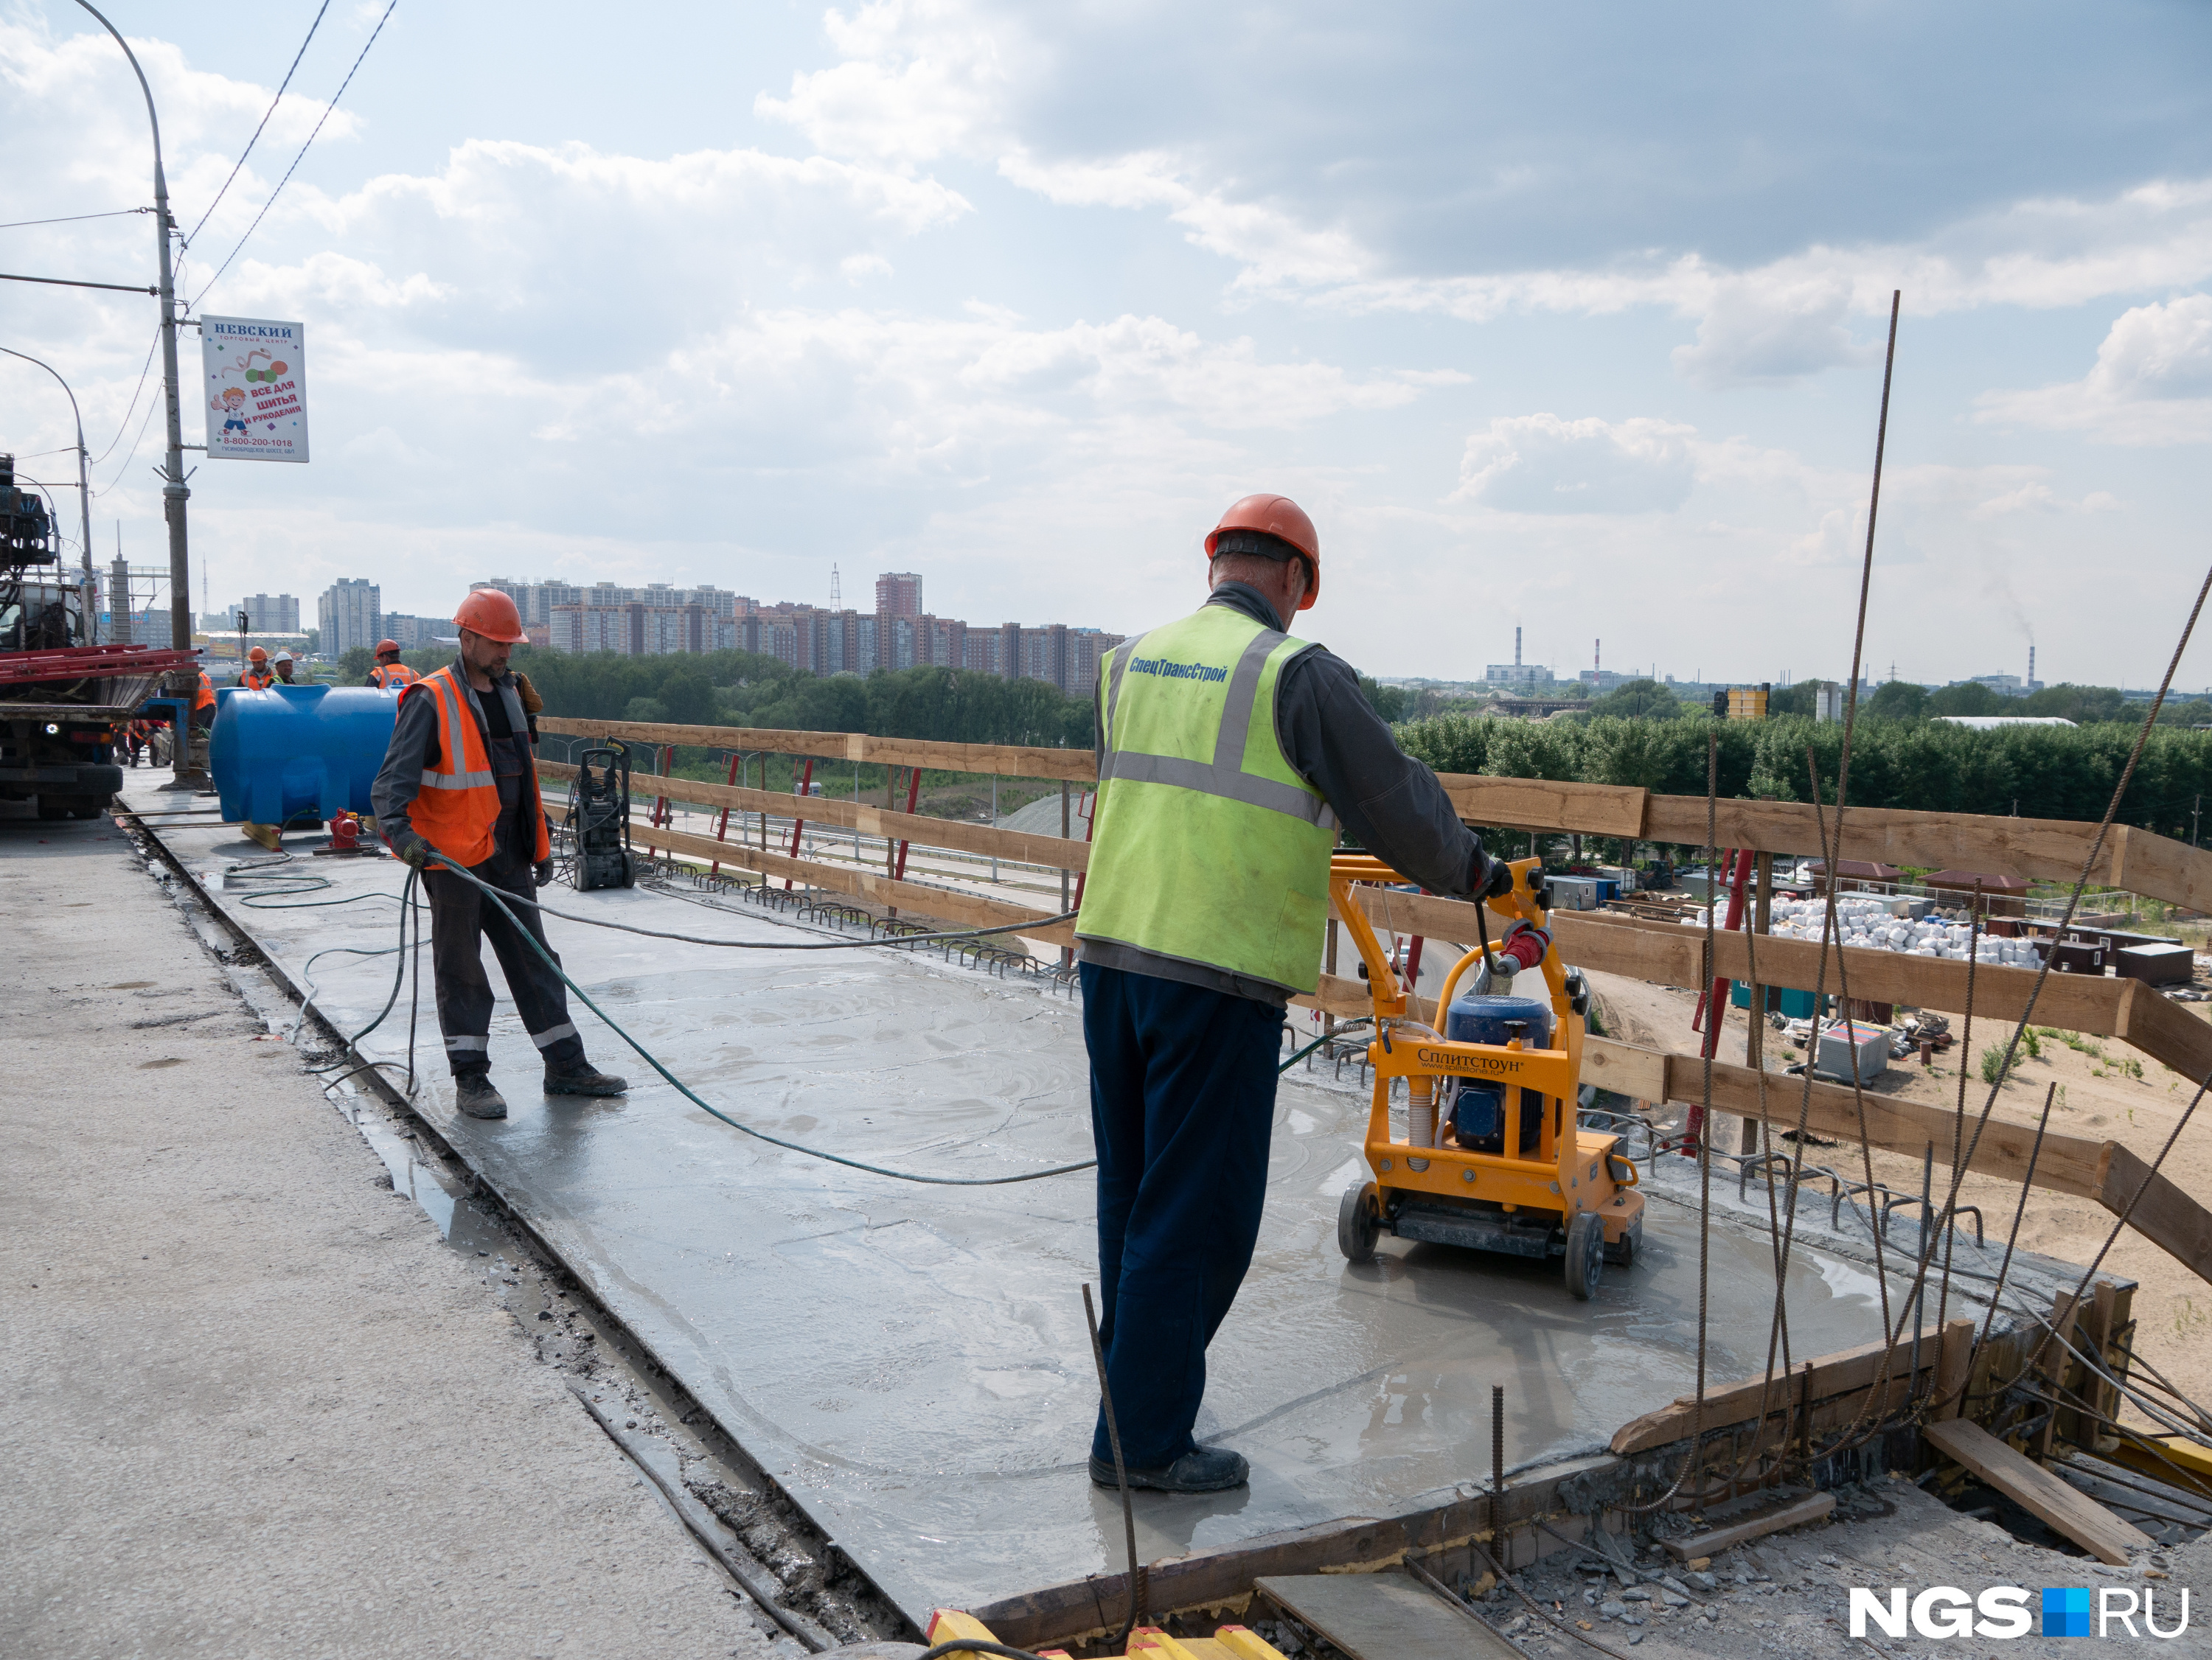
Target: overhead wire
{"x": 327, "y": 110}
{"x": 251, "y": 143}
{"x": 73, "y": 218}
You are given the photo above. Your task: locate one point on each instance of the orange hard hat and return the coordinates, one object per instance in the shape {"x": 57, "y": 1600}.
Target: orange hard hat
{"x": 257, "y": 655}
{"x": 1282, "y": 518}
{"x": 489, "y": 612}
{"x": 390, "y": 645}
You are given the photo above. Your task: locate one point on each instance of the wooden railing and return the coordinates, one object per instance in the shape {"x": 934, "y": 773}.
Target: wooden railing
{"x": 1666, "y": 954}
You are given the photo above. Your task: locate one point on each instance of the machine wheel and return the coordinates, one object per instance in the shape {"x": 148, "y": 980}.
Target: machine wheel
{"x": 53, "y": 807}
{"x": 1585, "y": 1253}
{"x": 1359, "y": 1222}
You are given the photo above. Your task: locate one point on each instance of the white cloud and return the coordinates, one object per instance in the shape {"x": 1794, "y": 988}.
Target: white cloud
{"x": 1539, "y": 463}
{"x": 2151, "y": 384}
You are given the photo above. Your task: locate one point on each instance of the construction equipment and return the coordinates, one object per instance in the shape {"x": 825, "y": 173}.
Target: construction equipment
{"x": 599, "y": 819}
{"x": 1494, "y": 1158}
{"x": 62, "y": 699}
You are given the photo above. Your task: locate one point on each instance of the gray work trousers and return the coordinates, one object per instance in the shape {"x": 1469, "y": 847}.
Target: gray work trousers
{"x": 461, "y": 917}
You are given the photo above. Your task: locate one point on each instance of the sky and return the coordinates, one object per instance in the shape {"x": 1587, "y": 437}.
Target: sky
{"x": 1567, "y": 317}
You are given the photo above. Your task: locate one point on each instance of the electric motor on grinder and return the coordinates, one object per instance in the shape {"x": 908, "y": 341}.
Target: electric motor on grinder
{"x": 1493, "y": 1159}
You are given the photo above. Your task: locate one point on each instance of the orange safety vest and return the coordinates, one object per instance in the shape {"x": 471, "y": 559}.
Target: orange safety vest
{"x": 255, "y": 680}
{"x": 393, "y": 675}
{"x": 459, "y": 804}
{"x": 205, "y": 699}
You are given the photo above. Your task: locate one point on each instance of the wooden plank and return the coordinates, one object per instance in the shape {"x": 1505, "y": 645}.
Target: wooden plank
{"x": 1602, "y": 809}
{"x": 1382, "y": 1616}
{"x": 1752, "y": 1524}
{"x": 1006, "y": 760}
{"x": 2166, "y": 1031}
{"x": 1055, "y": 852}
{"x": 2168, "y": 1214}
{"x": 1845, "y": 1371}
{"x": 2081, "y": 1518}
{"x": 2051, "y": 849}
{"x": 2068, "y": 1163}
{"x": 1205, "y": 1577}
{"x": 955, "y": 910}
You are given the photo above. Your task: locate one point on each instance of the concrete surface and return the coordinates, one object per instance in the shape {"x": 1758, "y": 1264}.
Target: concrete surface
{"x": 253, "y": 1405}
{"x": 910, "y": 1362}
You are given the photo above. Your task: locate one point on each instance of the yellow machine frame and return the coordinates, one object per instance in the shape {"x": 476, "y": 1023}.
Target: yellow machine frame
{"x": 1475, "y": 1195}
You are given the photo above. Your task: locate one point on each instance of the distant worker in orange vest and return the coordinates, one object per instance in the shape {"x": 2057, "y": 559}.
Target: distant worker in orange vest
{"x": 390, "y": 672}
{"x": 282, "y": 662}
{"x": 460, "y": 783}
{"x": 256, "y": 676}
{"x": 200, "y": 726}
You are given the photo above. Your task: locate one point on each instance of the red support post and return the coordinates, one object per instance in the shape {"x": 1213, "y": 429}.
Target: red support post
{"x": 722, "y": 829}
{"x": 798, "y": 823}
{"x": 1712, "y": 1002}
{"x": 913, "y": 795}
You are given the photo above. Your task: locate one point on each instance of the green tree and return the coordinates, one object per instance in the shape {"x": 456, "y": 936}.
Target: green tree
{"x": 354, "y": 666}
{"x": 1389, "y": 702}
{"x": 1638, "y": 700}
{"x": 1898, "y": 699}
{"x": 1970, "y": 697}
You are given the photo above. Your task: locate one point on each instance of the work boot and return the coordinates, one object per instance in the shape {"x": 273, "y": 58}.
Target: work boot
{"x": 473, "y": 1094}
{"x": 582, "y": 1078}
{"x": 1202, "y": 1469}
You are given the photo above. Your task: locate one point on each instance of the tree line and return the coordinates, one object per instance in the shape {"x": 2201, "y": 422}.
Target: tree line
{"x": 1929, "y": 766}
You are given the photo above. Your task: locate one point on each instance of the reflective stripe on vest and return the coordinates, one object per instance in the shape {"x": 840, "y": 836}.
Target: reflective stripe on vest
{"x": 1207, "y": 846}
{"x": 389, "y": 674}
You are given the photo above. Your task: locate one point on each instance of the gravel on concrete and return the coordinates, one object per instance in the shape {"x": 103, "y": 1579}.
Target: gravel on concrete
{"x": 254, "y": 1404}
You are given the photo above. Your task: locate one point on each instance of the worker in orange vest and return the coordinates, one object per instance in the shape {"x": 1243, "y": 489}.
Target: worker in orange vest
{"x": 390, "y": 672}
{"x": 256, "y": 676}
{"x": 460, "y": 784}
{"x": 200, "y": 726}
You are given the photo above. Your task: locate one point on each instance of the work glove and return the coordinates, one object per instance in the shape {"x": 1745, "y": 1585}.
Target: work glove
{"x": 543, "y": 871}
{"x": 1497, "y": 881}
{"x": 411, "y": 849}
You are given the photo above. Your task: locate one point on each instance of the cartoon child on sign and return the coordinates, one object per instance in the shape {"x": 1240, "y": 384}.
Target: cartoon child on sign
{"x": 232, "y": 403}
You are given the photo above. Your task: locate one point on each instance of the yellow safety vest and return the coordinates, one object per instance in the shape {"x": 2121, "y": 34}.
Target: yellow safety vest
{"x": 1206, "y": 846}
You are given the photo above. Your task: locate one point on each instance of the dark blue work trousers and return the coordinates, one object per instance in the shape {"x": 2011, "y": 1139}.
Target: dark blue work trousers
{"x": 1182, "y": 1102}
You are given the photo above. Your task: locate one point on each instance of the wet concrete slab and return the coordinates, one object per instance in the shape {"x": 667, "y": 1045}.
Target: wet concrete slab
{"x": 911, "y": 1361}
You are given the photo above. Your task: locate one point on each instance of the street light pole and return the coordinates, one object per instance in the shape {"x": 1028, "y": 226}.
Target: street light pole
{"x": 174, "y": 493}
{"x": 83, "y": 492}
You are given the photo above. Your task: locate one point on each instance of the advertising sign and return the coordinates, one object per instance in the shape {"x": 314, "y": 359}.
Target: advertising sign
{"x": 256, "y": 388}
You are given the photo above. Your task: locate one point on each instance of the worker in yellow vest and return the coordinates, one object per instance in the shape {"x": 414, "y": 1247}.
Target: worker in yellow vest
{"x": 390, "y": 672}
{"x": 1229, "y": 755}
{"x": 460, "y": 783}
{"x": 281, "y": 666}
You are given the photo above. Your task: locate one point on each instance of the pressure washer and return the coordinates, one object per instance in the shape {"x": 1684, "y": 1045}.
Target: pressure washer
{"x": 1494, "y": 1158}
{"x": 598, "y": 818}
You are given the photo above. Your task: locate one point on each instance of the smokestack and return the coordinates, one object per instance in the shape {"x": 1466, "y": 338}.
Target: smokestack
{"x": 1517, "y": 646}
{"x": 1597, "y": 656}
{"x": 2031, "y": 665}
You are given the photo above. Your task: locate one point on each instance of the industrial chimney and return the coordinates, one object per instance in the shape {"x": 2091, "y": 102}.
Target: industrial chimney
{"x": 1517, "y": 646}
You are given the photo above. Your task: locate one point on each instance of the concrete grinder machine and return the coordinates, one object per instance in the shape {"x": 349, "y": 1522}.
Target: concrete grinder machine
{"x": 1492, "y": 1158}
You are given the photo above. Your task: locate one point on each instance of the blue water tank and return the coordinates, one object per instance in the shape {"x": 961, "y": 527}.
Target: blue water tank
{"x": 298, "y": 752}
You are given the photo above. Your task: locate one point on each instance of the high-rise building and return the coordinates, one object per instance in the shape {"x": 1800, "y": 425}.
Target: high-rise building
{"x": 350, "y": 613}
{"x": 898, "y": 594}
{"x": 267, "y": 614}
